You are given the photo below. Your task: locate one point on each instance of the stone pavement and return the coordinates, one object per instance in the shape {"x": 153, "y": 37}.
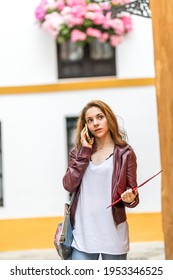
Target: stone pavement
{"x": 138, "y": 251}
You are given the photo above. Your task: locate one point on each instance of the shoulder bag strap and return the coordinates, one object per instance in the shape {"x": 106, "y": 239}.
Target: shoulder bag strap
{"x": 71, "y": 200}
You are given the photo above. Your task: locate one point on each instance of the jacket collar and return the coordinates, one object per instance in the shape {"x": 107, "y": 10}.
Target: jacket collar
{"x": 121, "y": 150}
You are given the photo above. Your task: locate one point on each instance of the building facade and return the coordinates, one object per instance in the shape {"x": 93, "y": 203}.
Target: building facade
{"x": 37, "y": 113}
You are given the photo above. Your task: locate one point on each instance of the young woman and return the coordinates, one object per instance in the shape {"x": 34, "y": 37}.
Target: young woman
{"x": 100, "y": 172}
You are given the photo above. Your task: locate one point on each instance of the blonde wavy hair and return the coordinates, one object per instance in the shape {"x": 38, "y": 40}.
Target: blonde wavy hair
{"x": 118, "y": 135}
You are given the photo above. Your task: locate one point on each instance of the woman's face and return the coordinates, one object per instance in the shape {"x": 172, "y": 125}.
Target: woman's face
{"x": 97, "y": 122}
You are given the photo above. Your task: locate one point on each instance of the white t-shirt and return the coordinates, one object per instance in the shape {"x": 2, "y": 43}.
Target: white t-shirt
{"x": 95, "y": 230}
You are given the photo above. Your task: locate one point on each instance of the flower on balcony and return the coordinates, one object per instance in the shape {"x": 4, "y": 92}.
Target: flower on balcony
{"x": 81, "y": 21}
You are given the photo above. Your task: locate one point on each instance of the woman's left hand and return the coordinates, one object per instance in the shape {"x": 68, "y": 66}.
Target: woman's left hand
{"x": 129, "y": 195}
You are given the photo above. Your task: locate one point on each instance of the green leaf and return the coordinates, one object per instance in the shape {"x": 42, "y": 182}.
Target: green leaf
{"x": 87, "y": 22}
{"x": 65, "y": 31}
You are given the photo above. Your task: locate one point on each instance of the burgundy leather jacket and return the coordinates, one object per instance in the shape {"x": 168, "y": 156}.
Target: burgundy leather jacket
{"x": 124, "y": 177}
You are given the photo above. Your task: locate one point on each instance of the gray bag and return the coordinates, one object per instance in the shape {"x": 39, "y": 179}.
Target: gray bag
{"x": 64, "y": 236}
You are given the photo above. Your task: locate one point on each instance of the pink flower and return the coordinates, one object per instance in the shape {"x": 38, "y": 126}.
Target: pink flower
{"x": 94, "y": 7}
{"x": 127, "y": 21}
{"x": 73, "y": 3}
{"x": 51, "y": 29}
{"x": 78, "y": 11}
{"x": 105, "y": 5}
{"x": 40, "y": 12}
{"x": 73, "y": 15}
{"x": 118, "y": 26}
{"x": 96, "y": 17}
{"x": 60, "y": 5}
{"x": 104, "y": 37}
{"x": 77, "y": 35}
{"x": 107, "y": 21}
{"x": 120, "y": 2}
{"x": 93, "y": 32}
{"x": 81, "y": 19}
{"x": 75, "y": 21}
{"x": 90, "y": 15}
{"x": 99, "y": 18}
{"x": 52, "y": 24}
{"x": 115, "y": 40}
{"x": 66, "y": 10}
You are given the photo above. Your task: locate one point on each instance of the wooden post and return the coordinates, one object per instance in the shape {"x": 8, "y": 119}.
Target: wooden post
{"x": 162, "y": 22}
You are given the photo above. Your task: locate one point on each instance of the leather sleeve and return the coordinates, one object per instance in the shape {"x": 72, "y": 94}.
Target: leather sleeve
{"x": 78, "y": 162}
{"x": 131, "y": 176}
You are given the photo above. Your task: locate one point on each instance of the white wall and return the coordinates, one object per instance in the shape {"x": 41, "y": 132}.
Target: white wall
{"x": 33, "y": 125}
{"x": 135, "y": 54}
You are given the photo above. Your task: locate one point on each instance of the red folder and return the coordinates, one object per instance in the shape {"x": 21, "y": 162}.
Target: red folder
{"x": 136, "y": 188}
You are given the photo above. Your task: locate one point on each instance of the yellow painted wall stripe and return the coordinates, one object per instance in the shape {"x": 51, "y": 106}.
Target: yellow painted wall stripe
{"x": 145, "y": 227}
{"x": 38, "y": 233}
{"x": 28, "y": 233}
{"x": 78, "y": 85}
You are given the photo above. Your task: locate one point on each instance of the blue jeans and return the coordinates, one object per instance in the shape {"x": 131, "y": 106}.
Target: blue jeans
{"x": 79, "y": 255}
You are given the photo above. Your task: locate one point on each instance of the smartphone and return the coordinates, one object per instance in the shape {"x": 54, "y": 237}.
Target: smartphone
{"x": 89, "y": 135}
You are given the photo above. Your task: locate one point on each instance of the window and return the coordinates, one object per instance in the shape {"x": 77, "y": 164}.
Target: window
{"x": 70, "y": 126}
{"x": 93, "y": 60}
{"x": 1, "y": 191}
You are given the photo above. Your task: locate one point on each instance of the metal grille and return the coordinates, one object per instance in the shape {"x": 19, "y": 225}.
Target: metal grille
{"x": 138, "y": 8}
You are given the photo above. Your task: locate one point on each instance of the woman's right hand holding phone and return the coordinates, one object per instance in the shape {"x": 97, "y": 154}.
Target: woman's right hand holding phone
{"x": 84, "y": 141}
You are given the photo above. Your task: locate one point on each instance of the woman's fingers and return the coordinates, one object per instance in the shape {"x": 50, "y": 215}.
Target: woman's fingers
{"x": 129, "y": 195}
{"x": 83, "y": 139}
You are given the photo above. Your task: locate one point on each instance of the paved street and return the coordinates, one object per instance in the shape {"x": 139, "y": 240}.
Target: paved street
{"x": 138, "y": 251}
